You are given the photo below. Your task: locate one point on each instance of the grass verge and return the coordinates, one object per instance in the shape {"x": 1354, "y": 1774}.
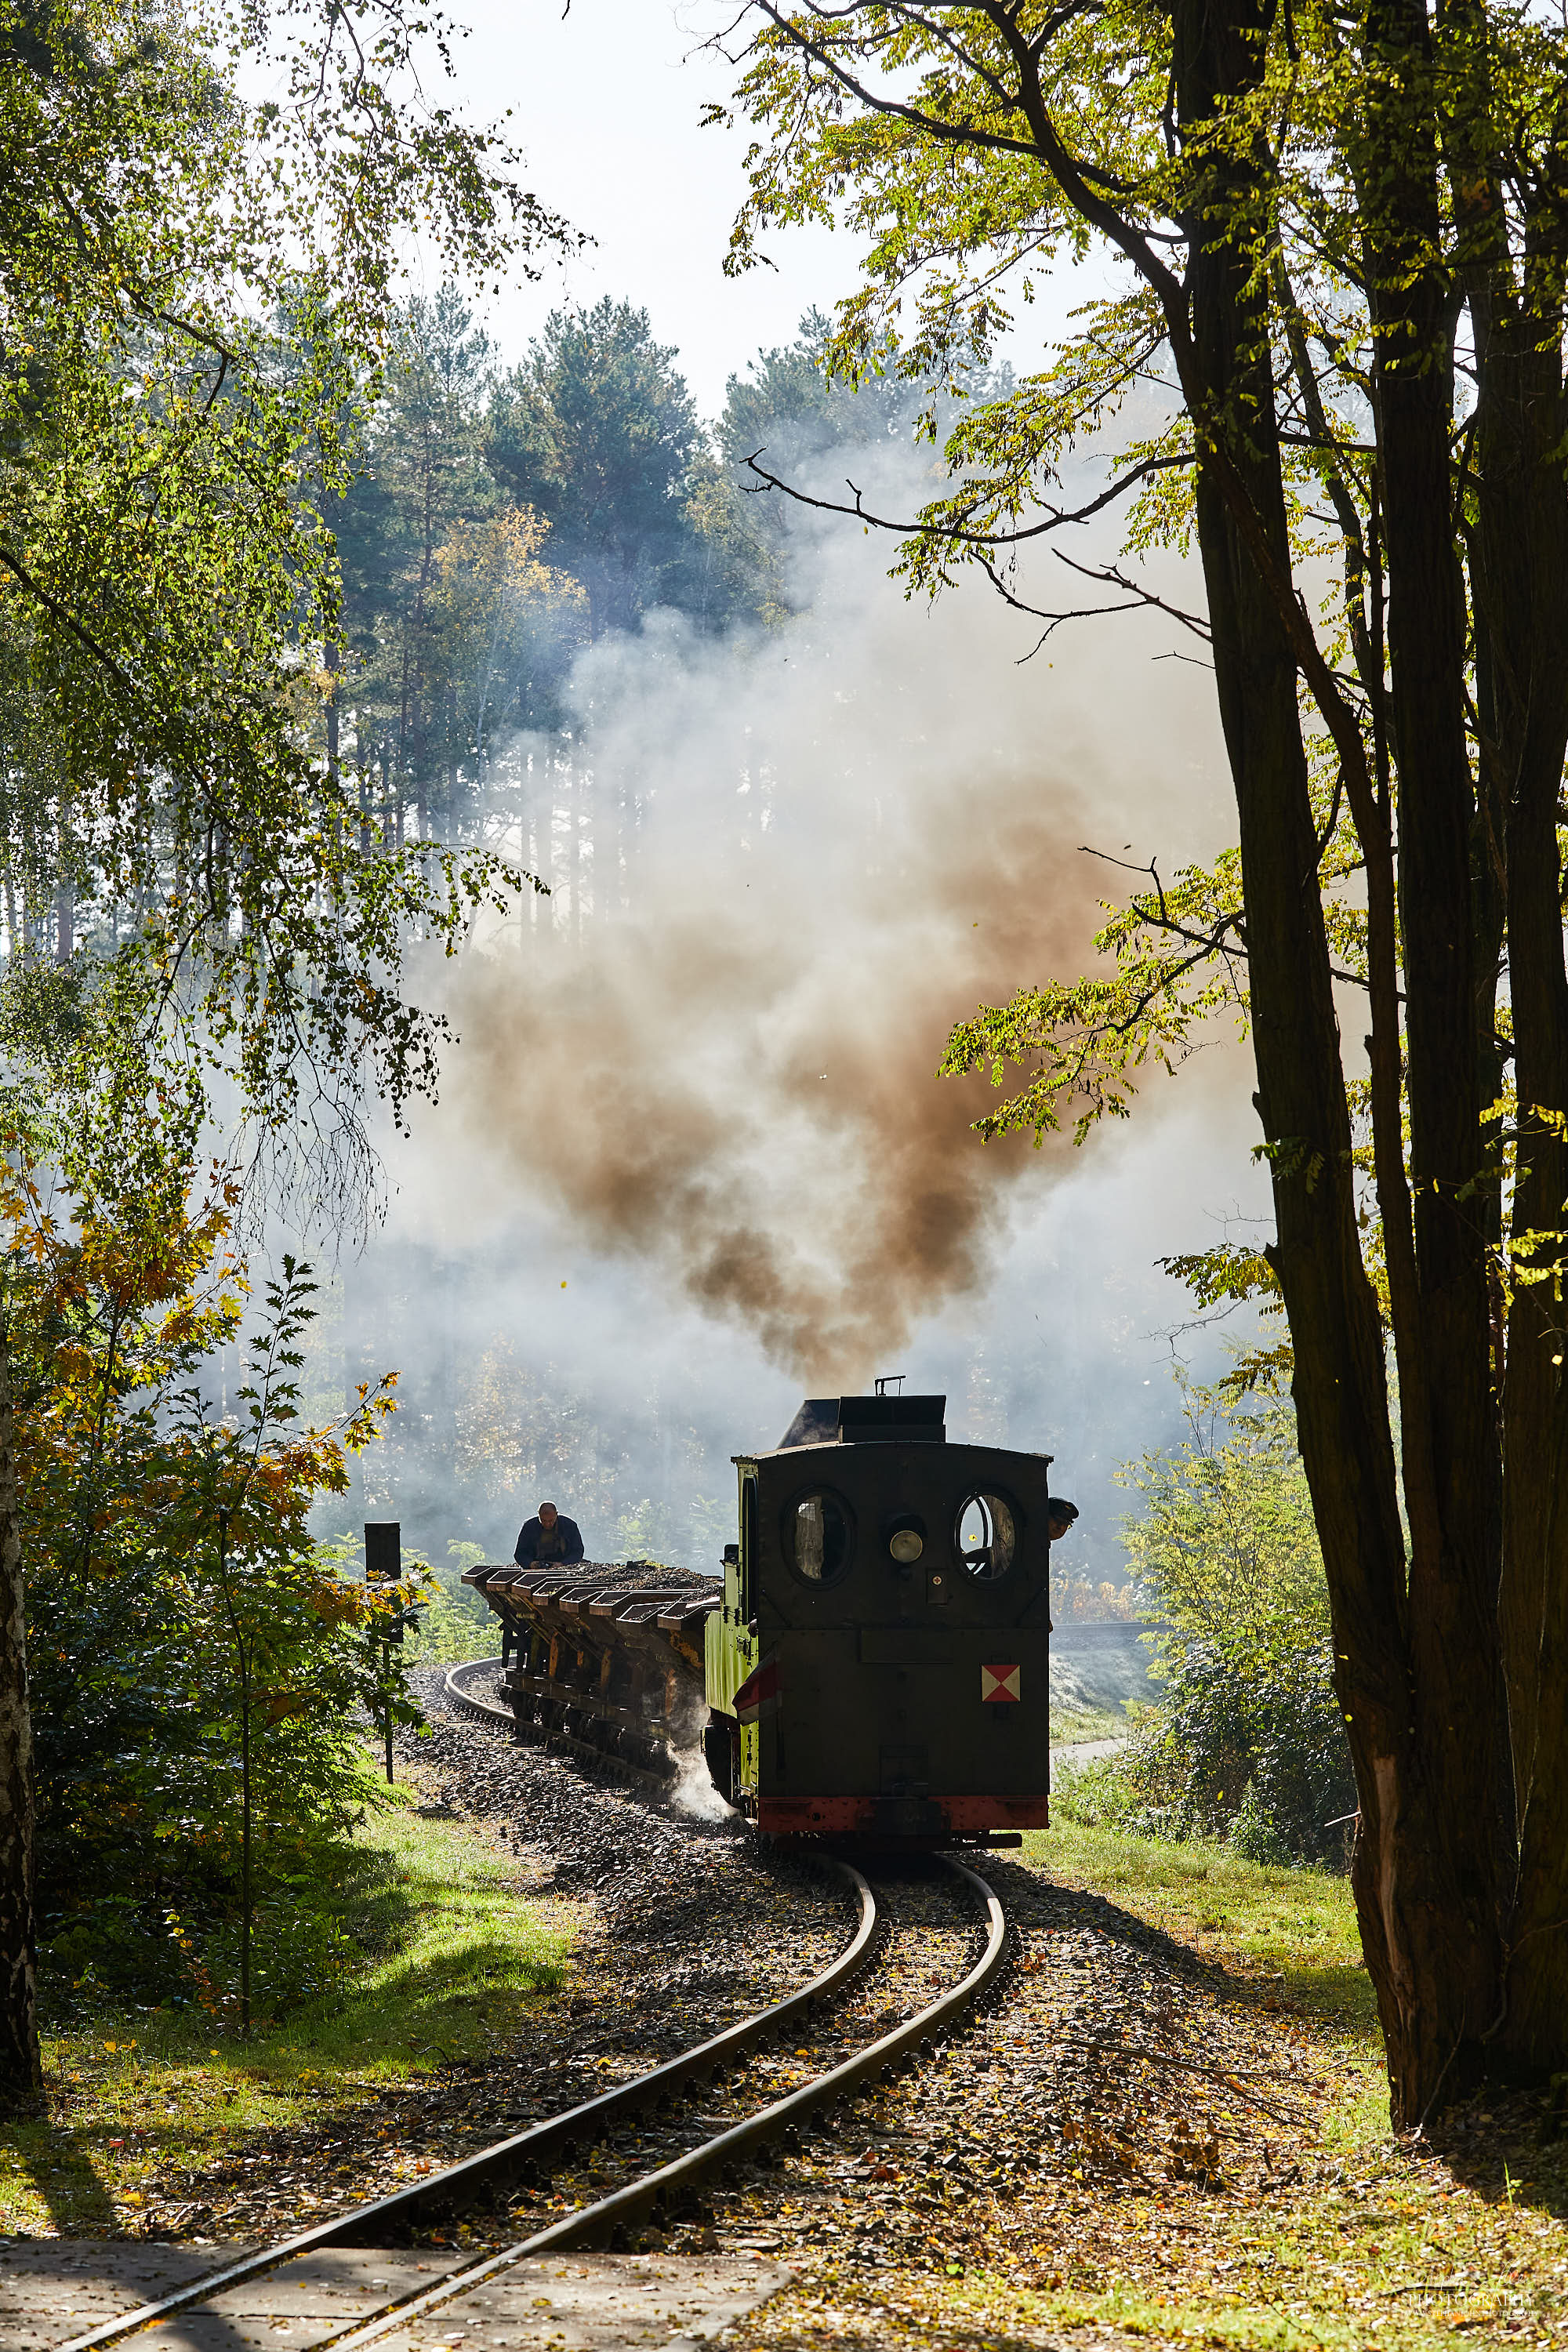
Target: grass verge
{"x": 454, "y": 1962}
{"x": 1297, "y": 1927}
{"x": 1071, "y": 1724}
{"x": 1340, "y": 2238}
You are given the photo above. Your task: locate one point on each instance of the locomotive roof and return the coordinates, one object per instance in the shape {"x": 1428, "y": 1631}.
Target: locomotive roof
{"x": 870, "y": 1420}
{"x": 854, "y": 1419}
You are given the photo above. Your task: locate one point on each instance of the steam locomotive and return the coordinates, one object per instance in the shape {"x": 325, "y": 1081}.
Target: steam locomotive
{"x": 874, "y": 1663}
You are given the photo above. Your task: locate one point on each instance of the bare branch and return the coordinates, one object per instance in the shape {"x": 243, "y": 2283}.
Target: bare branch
{"x": 1058, "y": 517}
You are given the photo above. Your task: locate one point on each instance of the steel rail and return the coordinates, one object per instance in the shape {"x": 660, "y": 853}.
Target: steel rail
{"x": 456, "y": 1690}
{"x": 595, "y": 2225}
{"x": 603, "y": 1760}
{"x": 457, "y": 2183}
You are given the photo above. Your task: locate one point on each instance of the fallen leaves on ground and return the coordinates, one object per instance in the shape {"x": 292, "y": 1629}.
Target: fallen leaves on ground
{"x": 1141, "y": 2144}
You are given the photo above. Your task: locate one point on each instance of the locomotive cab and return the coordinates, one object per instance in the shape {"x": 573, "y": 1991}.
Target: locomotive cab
{"x": 879, "y": 1663}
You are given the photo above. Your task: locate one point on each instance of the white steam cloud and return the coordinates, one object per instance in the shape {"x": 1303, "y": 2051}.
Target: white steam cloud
{"x": 691, "y": 1159}
{"x": 796, "y": 863}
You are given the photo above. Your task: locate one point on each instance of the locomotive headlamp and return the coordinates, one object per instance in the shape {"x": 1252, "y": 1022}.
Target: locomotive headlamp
{"x": 906, "y": 1546}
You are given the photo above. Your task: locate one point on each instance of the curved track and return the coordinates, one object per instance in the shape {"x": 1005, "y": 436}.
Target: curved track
{"x": 596, "y": 2225}
{"x": 527, "y": 2153}
{"x": 509, "y": 2159}
{"x": 467, "y": 1702}
{"x": 604, "y": 1764}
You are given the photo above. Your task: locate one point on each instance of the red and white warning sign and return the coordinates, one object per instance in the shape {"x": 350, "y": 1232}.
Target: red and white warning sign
{"x": 1000, "y": 1682}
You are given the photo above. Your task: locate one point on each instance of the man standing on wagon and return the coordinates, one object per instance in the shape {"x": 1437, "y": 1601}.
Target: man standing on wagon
{"x": 548, "y": 1538}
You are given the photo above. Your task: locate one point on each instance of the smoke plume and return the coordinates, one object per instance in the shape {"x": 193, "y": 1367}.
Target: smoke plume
{"x": 780, "y": 874}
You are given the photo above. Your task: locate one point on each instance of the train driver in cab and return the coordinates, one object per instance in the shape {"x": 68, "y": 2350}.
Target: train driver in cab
{"x": 1059, "y": 1516}
{"x": 548, "y": 1538}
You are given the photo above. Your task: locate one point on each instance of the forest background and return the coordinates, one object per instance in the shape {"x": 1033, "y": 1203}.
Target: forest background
{"x": 296, "y": 578}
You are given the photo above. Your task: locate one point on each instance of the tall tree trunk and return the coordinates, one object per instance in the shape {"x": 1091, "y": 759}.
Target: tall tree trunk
{"x": 331, "y": 654}
{"x": 21, "y": 2069}
{"x": 362, "y": 762}
{"x": 1414, "y": 1871}
{"x": 1458, "y": 1750}
{"x": 1522, "y": 600}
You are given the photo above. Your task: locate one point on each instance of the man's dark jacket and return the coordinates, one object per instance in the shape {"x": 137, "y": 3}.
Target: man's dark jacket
{"x": 537, "y": 1550}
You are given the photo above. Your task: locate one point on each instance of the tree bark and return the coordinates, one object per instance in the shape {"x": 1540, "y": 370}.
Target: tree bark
{"x": 1429, "y": 1914}
{"x": 1522, "y": 598}
{"x": 1460, "y": 1745}
{"x": 21, "y": 2068}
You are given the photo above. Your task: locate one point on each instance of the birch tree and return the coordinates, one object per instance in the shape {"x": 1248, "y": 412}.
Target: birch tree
{"x": 191, "y": 289}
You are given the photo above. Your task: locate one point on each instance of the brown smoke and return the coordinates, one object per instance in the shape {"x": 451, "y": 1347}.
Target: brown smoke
{"x": 733, "y": 1077}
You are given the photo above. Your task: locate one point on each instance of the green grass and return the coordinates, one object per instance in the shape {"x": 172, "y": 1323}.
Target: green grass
{"x": 1069, "y": 1724}
{"x": 454, "y": 1964}
{"x": 1295, "y": 1926}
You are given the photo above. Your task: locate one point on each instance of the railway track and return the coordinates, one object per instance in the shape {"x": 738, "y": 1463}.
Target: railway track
{"x": 859, "y": 2047}
{"x": 463, "y": 1692}
{"x": 649, "y": 2192}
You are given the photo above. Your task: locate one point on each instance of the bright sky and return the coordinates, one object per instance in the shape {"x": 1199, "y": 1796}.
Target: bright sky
{"x": 605, "y": 107}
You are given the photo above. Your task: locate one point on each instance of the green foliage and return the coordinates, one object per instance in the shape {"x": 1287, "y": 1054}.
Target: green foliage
{"x": 793, "y": 406}
{"x": 494, "y": 524}
{"x": 596, "y": 431}
{"x": 455, "y": 1621}
{"x": 1225, "y": 1538}
{"x": 187, "y": 323}
{"x": 1248, "y": 1740}
{"x": 205, "y": 924}
{"x": 785, "y": 410}
{"x": 424, "y": 1954}
{"x": 1248, "y": 1745}
{"x": 692, "y": 1534}
{"x": 787, "y": 404}
{"x": 195, "y": 1681}
{"x": 117, "y": 1952}
{"x": 455, "y": 633}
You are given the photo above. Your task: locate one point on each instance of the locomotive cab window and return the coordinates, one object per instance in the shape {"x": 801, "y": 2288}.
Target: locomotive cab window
{"x": 818, "y": 1536}
{"x": 987, "y": 1536}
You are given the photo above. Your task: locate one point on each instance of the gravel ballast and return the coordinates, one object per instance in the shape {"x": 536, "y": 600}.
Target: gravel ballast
{"x": 1138, "y": 2142}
